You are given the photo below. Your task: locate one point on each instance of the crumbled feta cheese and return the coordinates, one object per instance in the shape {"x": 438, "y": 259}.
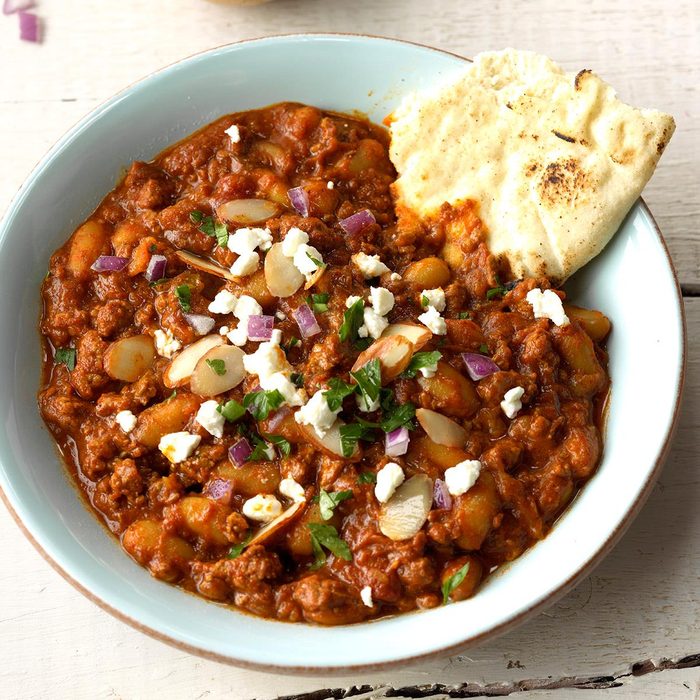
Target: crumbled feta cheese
{"x": 270, "y": 364}
{"x": 280, "y": 315}
{"x": 292, "y": 489}
{"x": 330, "y": 184}
{"x": 374, "y": 324}
{"x": 210, "y": 418}
{"x": 224, "y": 330}
{"x": 304, "y": 260}
{"x": 245, "y": 264}
{"x": 246, "y": 240}
{"x": 433, "y": 297}
{"x": 389, "y": 478}
{"x": 317, "y": 414}
{"x": 245, "y": 308}
{"x": 352, "y": 300}
{"x": 460, "y": 478}
{"x": 234, "y": 133}
{"x": 511, "y": 403}
{"x": 433, "y": 321}
{"x": 295, "y": 237}
{"x": 166, "y": 343}
{"x": 394, "y": 276}
{"x": 126, "y": 420}
{"x": 382, "y": 300}
{"x": 177, "y": 447}
{"x": 280, "y": 381}
{"x": 262, "y": 508}
{"x": 224, "y": 303}
{"x": 366, "y": 595}
{"x": 547, "y": 304}
{"x": 364, "y": 406}
{"x": 369, "y": 265}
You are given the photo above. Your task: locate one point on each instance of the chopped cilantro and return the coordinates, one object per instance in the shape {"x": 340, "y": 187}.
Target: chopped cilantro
{"x": 260, "y": 403}
{"x": 452, "y": 582}
{"x": 293, "y": 342}
{"x": 421, "y": 359}
{"x": 318, "y": 302}
{"x": 463, "y": 315}
{"x": 328, "y": 501}
{"x": 297, "y": 379}
{"x": 498, "y": 291}
{"x": 184, "y": 297}
{"x": 369, "y": 379}
{"x": 319, "y": 264}
{"x": 65, "y": 356}
{"x": 352, "y": 320}
{"x": 351, "y": 433}
{"x": 398, "y": 415}
{"x": 261, "y": 451}
{"x": 484, "y": 349}
{"x": 217, "y": 366}
{"x": 282, "y": 445}
{"x": 337, "y": 392}
{"x": 327, "y": 536}
{"x": 424, "y": 301}
{"x": 231, "y": 411}
{"x": 155, "y": 283}
{"x": 210, "y": 227}
{"x": 367, "y": 478}
{"x": 237, "y": 549}
{"x": 362, "y": 343}
{"x": 152, "y": 248}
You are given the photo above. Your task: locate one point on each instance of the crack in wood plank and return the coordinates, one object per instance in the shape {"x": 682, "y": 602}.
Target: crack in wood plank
{"x": 440, "y": 691}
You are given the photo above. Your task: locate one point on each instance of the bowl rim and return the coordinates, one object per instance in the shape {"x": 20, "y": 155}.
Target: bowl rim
{"x": 584, "y": 569}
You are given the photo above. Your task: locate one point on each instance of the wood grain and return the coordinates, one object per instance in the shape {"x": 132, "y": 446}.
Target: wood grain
{"x": 640, "y": 604}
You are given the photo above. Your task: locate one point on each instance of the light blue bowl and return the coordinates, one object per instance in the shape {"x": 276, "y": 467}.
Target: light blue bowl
{"x": 633, "y": 282}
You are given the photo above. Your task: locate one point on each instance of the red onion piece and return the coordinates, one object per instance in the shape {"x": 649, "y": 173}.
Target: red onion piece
{"x": 10, "y": 6}
{"x": 156, "y": 268}
{"x": 357, "y": 222}
{"x": 479, "y": 366}
{"x": 306, "y": 321}
{"x": 396, "y": 442}
{"x": 109, "y": 263}
{"x": 299, "y": 199}
{"x": 219, "y": 490}
{"x": 28, "y": 26}
{"x": 200, "y": 323}
{"x": 277, "y": 418}
{"x": 239, "y": 453}
{"x": 441, "y": 496}
{"x": 260, "y": 327}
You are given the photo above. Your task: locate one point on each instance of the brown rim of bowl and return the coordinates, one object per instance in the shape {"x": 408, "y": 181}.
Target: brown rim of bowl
{"x": 585, "y": 569}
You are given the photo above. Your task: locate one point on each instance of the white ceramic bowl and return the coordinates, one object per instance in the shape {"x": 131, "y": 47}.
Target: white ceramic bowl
{"x": 632, "y": 281}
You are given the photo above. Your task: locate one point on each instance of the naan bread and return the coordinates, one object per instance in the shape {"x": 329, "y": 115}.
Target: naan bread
{"x": 554, "y": 159}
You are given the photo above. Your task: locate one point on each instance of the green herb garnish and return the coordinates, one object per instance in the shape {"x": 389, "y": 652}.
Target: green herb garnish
{"x": 421, "y": 359}
{"x": 369, "y": 380}
{"x": 297, "y": 379}
{"x": 184, "y": 297}
{"x": 338, "y": 391}
{"x": 319, "y": 264}
{"x": 463, "y": 315}
{"x": 237, "y": 549}
{"x": 261, "y": 451}
{"x": 424, "y": 301}
{"x": 217, "y": 366}
{"x": 367, "y": 478}
{"x": 353, "y": 432}
{"x": 452, "y": 582}
{"x": 318, "y": 302}
{"x": 353, "y": 318}
{"x": 210, "y": 227}
{"x": 484, "y": 349}
{"x": 293, "y": 342}
{"x": 282, "y": 445}
{"x": 260, "y": 403}
{"x": 498, "y": 291}
{"x": 65, "y": 356}
{"x": 231, "y": 411}
{"x": 329, "y": 501}
{"x": 397, "y": 416}
{"x": 327, "y": 536}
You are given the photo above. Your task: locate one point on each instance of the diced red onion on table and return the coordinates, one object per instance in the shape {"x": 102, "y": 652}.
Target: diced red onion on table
{"x": 308, "y": 325}
{"x": 299, "y": 199}
{"x": 156, "y": 268}
{"x": 28, "y": 26}
{"x": 260, "y": 327}
{"x": 239, "y": 453}
{"x": 11, "y": 6}
{"x": 219, "y": 490}
{"x": 396, "y": 442}
{"x": 441, "y": 496}
{"x": 357, "y": 222}
{"x": 479, "y": 366}
{"x": 109, "y": 263}
{"x": 200, "y": 323}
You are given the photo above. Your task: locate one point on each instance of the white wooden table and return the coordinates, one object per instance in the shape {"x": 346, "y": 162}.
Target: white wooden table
{"x": 638, "y": 613}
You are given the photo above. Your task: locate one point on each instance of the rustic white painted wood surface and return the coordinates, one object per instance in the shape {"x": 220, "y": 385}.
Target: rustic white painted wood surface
{"x": 642, "y": 603}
